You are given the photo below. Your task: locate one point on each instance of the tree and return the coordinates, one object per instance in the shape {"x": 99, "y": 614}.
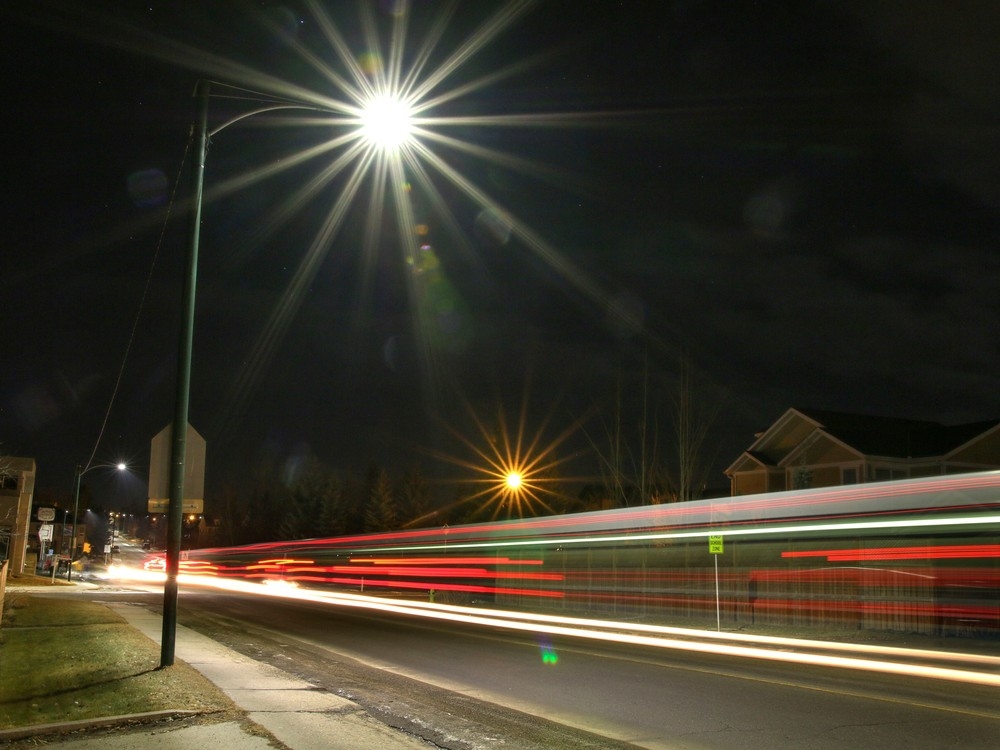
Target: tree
{"x": 232, "y": 516}
{"x": 382, "y": 513}
{"x": 264, "y": 509}
{"x": 635, "y": 468}
{"x": 693, "y": 417}
{"x": 415, "y": 498}
{"x": 630, "y": 464}
{"x": 333, "y": 510}
{"x": 309, "y": 497}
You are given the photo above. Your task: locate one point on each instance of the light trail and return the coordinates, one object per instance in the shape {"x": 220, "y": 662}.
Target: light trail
{"x": 652, "y": 636}
{"x": 989, "y": 521}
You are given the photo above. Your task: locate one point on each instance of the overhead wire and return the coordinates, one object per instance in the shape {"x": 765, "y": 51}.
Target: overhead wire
{"x": 142, "y": 302}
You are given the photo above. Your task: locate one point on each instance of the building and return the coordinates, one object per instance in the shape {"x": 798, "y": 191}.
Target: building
{"x": 17, "y": 486}
{"x": 815, "y": 448}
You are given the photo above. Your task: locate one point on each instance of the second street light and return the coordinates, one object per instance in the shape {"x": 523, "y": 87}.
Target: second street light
{"x": 80, "y": 471}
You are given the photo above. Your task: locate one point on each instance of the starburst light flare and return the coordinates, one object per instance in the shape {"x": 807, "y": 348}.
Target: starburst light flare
{"x": 387, "y": 122}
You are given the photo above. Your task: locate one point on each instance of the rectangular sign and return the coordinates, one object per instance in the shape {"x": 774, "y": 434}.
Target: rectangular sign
{"x": 45, "y": 532}
{"x": 715, "y": 544}
{"x": 159, "y": 466}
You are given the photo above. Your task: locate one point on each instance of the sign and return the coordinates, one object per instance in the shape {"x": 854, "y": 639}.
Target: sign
{"x": 46, "y": 514}
{"x": 194, "y": 471}
{"x": 45, "y": 532}
{"x": 715, "y": 544}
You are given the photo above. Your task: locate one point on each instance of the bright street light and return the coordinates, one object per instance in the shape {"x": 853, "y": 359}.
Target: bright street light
{"x": 513, "y": 481}
{"x": 386, "y": 122}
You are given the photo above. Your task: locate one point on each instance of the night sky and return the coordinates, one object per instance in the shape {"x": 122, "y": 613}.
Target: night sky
{"x": 799, "y": 200}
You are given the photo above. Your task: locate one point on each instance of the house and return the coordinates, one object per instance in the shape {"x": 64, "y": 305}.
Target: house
{"x": 815, "y": 448}
{"x": 17, "y": 486}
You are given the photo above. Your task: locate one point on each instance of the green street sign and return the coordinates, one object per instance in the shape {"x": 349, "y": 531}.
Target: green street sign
{"x": 715, "y": 544}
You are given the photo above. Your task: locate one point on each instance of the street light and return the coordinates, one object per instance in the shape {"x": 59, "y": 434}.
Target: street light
{"x": 178, "y": 446}
{"x": 80, "y": 471}
{"x": 385, "y": 123}
{"x": 513, "y": 481}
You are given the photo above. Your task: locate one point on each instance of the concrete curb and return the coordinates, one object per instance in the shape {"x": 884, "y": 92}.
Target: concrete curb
{"x": 65, "y": 727}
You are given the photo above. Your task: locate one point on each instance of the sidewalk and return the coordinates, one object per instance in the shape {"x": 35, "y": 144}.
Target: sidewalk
{"x": 298, "y": 714}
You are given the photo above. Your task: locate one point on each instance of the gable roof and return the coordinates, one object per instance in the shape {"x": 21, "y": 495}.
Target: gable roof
{"x": 899, "y": 438}
{"x": 868, "y": 435}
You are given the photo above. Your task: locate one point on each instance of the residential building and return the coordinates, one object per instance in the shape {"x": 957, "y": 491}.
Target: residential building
{"x": 17, "y": 486}
{"x": 817, "y": 448}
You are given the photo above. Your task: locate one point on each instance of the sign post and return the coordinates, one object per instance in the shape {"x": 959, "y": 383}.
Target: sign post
{"x": 44, "y": 538}
{"x": 715, "y": 548}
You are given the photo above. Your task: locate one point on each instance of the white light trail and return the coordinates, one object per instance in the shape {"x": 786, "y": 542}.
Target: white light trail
{"x": 728, "y": 531}
{"x": 653, "y": 636}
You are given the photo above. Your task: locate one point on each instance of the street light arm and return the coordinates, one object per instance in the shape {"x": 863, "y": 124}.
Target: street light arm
{"x": 260, "y": 111}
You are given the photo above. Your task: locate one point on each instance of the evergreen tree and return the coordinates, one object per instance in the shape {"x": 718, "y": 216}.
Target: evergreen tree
{"x": 232, "y": 517}
{"x": 357, "y": 498}
{"x": 382, "y": 513}
{"x": 415, "y": 498}
{"x": 308, "y": 499}
{"x": 333, "y": 509}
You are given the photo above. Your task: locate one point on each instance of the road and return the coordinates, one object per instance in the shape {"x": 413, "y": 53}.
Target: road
{"x": 652, "y": 698}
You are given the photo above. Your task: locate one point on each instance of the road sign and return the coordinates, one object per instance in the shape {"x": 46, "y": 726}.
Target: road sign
{"x": 715, "y": 544}
{"x": 194, "y": 471}
{"x": 46, "y": 514}
{"x": 45, "y": 532}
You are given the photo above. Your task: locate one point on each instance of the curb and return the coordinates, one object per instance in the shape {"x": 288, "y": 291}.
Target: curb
{"x": 65, "y": 727}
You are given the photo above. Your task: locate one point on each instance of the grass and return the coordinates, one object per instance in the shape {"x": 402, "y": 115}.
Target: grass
{"x": 65, "y": 659}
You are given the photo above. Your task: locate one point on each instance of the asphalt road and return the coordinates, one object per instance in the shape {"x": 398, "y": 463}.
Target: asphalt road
{"x": 433, "y": 672}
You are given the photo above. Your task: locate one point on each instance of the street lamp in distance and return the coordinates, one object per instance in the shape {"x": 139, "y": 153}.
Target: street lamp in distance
{"x": 80, "y": 471}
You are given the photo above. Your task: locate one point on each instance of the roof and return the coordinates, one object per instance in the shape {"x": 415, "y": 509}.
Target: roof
{"x": 889, "y": 436}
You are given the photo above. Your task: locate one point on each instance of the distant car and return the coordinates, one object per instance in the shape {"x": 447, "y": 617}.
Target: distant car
{"x": 146, "y": 545}
{"x": 115, "y": 549}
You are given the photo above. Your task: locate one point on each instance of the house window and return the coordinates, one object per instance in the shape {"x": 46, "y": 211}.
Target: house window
{"x": 5, "y": 533}
{"x": 849, "y": 476}
{"x": 885, "y": 473}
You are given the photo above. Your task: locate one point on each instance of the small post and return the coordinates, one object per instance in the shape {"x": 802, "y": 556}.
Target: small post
{"x": 715, "y": 547}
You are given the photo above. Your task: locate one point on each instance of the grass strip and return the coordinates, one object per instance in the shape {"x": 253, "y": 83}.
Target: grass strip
{"x": 63, "y": 659}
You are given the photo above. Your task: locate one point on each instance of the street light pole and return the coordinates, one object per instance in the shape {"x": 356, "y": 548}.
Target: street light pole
{"x": 179, "y": 429}
{"x": 80, "y": 471}
{"x": 76, "y": 509}
{"x": 178, "y": 449}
